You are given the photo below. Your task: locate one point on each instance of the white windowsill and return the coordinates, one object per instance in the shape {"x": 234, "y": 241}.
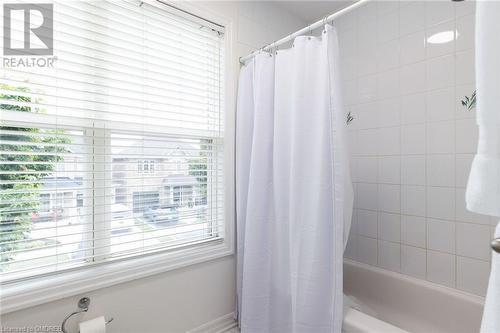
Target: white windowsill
{"x": 27, "y": 293}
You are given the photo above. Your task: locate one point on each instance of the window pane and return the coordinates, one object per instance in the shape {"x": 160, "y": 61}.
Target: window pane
{"x": 44, "y": 199}
{"x": 167, "y": 207}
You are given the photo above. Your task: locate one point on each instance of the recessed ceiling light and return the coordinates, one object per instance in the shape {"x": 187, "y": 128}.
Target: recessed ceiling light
{"x": 442, "y": 37}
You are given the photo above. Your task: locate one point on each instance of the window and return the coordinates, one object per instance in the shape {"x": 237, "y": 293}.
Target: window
{"x": 146, "y": 166}
{"x": 79, "y": 200}
{"x": 132, "y": 107}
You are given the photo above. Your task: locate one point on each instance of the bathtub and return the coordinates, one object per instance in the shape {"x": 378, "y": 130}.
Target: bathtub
{"x": 379, "y": 301}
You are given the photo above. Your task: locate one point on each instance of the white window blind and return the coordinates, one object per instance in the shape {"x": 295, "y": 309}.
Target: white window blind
{"x": 117, "y": 150}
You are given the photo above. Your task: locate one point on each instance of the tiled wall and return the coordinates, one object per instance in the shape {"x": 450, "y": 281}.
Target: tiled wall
{"x": 412, "y": 141}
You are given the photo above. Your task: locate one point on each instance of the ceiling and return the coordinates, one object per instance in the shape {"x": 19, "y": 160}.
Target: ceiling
{"x": 311, "y": 11}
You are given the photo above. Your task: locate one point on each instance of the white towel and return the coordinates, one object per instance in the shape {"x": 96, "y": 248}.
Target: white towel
{"x": 483, "y": 188}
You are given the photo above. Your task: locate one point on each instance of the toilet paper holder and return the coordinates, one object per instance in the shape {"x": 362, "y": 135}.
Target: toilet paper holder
{"x": 83, "y": 306}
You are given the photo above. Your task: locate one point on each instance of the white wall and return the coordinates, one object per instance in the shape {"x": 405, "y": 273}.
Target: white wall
{"x": 187, "y": 298}
{"x": 413, "y": 142}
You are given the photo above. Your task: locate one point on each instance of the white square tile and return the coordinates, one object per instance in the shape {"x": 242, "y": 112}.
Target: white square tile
{"x": 413, "y": 139}
{"x": 367, "y": 142}
{"x": 438, "y": 11}
{"x": 349, "y": 67}
{"x": 466, "y": 30}
{"x": 441, "y": 72}
{"x": 353, "y": 228}
{"x": 366, "y": 169}
{"x": 412, "y": 78}
{"x": 473, "y": 240}
{"x": 413, "y": 170}
{"x": 465, "y": 67}
{"x": 366, "y": 196}
{"x": 413, "y": 230}
{"x": 389, "y": 198}
{"x": 463, "y": 164}
{"x": 388, "y": 26}
{"x": 348, "y": 21}
{"x": 441, "y": 235}
{"x": 367, "y": 60}
{"x": 412, "y": 48}
{"x": 388, "y": 84}
{"x": 463, "y": 214}
{"x": 462, "y": 91}
{"x": 441, "y": 137}
{"x": 441, "y": 203}
{"x": 441, "y": 104}
{"x": 365, "y": 115}
{"x": 367, "y": 223}
{"x": 389, "y": 169}
{"x": 367, "y": 12}
{"x": 367, "y": 250}
{"x": 413, "y": 261}
{"x": 413, "y": 200}
{"x": 389, "y": 256}
{"x": 367, "y": 32}
{"x": 389, "y": 227}
{"x": 351, "y": 144}
{"x": 441, "y": 170}
{"x": 348, "y": 41}
{"x": 440, "y": 39}
{"x": 472, "y": 275}
{"x": 413, "y": 108}
{"x": 465, "y": 8}
{"x": 351, "y": 249}
{"x": 388, "y": 113}
{"x": 412, "y": 18}
{"x": 387, "y": 7}
{"x": 350, "y": 92}
{"x": 388, "y": 55}
{"x": 367, "y": 88}
{"x": 467, "y": 134}
{"x": 389, "y": 141}
{"x": 441, "y": 268}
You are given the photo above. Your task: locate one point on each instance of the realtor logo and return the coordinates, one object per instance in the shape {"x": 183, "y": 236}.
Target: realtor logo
{"x": 28, "y": 29}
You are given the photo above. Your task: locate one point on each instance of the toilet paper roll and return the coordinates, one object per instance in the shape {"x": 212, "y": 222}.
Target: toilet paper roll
{"x": 96, "y": 325}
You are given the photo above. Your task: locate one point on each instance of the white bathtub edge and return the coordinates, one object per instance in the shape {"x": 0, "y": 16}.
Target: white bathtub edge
{"x": 426, "y": 284}
{"x": 358, "y": 322}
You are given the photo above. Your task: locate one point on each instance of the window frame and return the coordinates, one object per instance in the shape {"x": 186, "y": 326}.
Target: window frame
{"x": 45, "y": 288}
{"x": 150, "y": 166}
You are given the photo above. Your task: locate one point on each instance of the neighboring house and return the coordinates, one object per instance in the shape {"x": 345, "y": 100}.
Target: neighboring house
{"x": 160, "y": 178}
{"x": 60, "y": 197}
{"x": 141, "y": 182}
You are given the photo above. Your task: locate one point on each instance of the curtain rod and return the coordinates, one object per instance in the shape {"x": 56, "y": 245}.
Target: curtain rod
{"x": 302, "y": 31}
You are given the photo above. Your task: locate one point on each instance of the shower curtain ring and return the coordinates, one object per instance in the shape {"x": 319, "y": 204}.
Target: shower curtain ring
{"x": 273, "y": 49}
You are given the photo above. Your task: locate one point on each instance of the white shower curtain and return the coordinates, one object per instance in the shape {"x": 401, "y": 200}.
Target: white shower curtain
{"x": 483, "y": 188}
{"x": 294, "y": 193}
